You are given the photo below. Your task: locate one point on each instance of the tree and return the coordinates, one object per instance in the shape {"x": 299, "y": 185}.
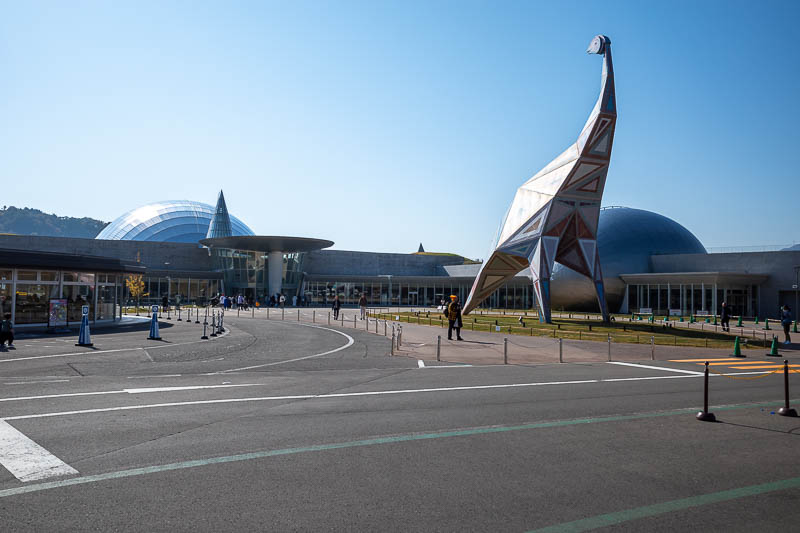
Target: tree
{"x": 135, "y": 285}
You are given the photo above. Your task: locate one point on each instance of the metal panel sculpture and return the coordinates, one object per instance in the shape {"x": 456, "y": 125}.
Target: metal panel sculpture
{"x": 554, "y": 214}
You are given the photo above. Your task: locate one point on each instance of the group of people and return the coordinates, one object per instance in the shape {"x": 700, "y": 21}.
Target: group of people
{"x": 786, "y": 320}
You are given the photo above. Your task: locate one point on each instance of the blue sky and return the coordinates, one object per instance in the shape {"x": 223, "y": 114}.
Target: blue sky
{"x": 382, "y": 124}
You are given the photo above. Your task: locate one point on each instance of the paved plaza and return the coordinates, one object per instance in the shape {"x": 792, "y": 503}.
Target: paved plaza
{"x": 292, "y": 423}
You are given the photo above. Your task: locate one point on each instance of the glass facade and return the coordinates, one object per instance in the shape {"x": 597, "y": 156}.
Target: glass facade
{"x": 421, "y": 292}
{"x": 26, "y": 294}
{"x": 172, "y": 221}
{"x": 693, "y": 298}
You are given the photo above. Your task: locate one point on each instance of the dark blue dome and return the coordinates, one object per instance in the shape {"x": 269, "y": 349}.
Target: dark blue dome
{"x": 626, "y": 238}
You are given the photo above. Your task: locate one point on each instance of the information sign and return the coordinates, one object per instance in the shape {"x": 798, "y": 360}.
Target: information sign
{"x": 85, "y": 310}
{"x": 645, "y": 310}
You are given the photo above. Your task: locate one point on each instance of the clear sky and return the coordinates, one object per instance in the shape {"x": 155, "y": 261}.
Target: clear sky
{"x": 382, "y": 124}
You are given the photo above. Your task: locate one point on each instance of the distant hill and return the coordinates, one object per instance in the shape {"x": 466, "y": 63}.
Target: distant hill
{"x": 28, "y": 221}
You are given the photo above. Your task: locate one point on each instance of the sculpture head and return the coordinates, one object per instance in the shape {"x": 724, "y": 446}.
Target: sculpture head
{"x": 598, "y": 45}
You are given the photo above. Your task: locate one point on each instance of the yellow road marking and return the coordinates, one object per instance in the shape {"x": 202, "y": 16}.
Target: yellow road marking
{"x": 740, "y": 362}
{"x": 767, "y": 367}
{"x": 703, "y": 360}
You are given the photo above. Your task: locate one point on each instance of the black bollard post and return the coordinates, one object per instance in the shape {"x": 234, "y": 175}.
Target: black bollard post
{"x": 786, "y": 410}
{"x": 704, "y": 415}
{"x": 197, "y": 315}
{"x": 213, "y": 325}
{"x": 204, "y": 331}
{"x": 179, "y": 315}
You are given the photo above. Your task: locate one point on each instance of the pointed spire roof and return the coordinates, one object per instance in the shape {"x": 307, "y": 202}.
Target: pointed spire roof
{"x": 421, "y": 249}
{"x": 221, "y": 223}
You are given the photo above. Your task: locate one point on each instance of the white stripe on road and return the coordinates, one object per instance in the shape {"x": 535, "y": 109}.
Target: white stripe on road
{"x": 636, "y": 365}
{"x": 188, "y": 387}
{"x": 40, "y": 381}
{"x": 95, "y": 352}
{"x": 27, "y": 460}
{"x": 350, "y": 342}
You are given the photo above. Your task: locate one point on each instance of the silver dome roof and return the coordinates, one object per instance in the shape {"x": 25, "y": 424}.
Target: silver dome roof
{"x": 170, "y": 221}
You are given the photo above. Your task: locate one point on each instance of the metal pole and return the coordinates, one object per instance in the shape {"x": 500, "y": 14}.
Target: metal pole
{"x": 253, "y": 311}
{"x": 392, "y": 350}
{"x": 560, "y": 351}
{"x": 438, "y": 347}
{"x": 298, "y": 315}
{"x": 384, "y": 328}
{"x": 329, "y": 318}
{"x": 786, "y": 410}
{"x": 354, "y": 321}
{"x": 609, "y": 347}
{"x": 704, "y": 415}
{"x": 314, "y": 316}
{"x": 283, "y": 312}
{"x": 400, "y": 336}
{"x": 267, "y": 312}
{"x": 213, "y": 324}
{"x": 505, "y": 350}
{"x": 204, "y": 331}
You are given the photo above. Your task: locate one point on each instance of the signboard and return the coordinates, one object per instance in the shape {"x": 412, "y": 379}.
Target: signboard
{"x": 57, "y": 315}
{"x": 674, "y": 312}
{"x": 497, "y": 328}
{"x": 85, "y": 310}
{"x": 701, "y": 313}
{"x": 645, "y": 310}
{"x": 154, "y": 309}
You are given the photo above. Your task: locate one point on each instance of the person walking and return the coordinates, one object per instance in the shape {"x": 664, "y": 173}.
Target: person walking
{"x": 362, "y": 304}
{"x": 164, "y": 303}
{"x": 6, "y": 332}
{"x": 453, "y": 313}
{"x": 282, "y": 300}
{"x": 725, "y": 316}
{"x": 337, "y": 305}
{"x": 786, "y": 322}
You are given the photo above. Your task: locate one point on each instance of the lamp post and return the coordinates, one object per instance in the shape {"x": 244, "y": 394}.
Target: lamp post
{"x": 169, "y": 281}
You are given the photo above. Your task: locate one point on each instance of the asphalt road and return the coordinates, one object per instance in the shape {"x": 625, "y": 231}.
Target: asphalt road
{"x": 279, "y": 426}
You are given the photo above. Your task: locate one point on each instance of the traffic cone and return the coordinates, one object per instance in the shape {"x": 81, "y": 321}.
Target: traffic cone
{"x": 773, "y": 351}
{"x": 84, "y": 337}
{"x": 737, "y": 349}
{"x": 154, "y": 327}
{"x": 739, "y": 323}
{"x": 766, "y": 324}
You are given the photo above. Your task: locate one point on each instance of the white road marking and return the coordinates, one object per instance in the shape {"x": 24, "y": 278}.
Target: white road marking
{"x": 41, "y": 381}
{"x": 350, "y": 342}
{"x": 95, "y": 352}
{"x": 189, "y": 387}
{"x": 27, "y": 460}
{"x": 156, "y": 376}
{"x": 657, "y": 368}
{"x": 420, "y": 363}
{"x": 333, "y": 395}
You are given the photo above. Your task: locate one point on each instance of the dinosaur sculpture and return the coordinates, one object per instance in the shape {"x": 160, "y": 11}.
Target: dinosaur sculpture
{"x": 554, "y": 214}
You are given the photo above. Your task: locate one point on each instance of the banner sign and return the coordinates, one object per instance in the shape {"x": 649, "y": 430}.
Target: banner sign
{"x": 674, "y": 312}
{"x": 645, "y": 310}
{"x": 57, "y": 315}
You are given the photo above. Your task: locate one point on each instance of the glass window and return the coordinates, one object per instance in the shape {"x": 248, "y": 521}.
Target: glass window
{"x": 79, "y": 277}
{"x": 5, "y": 293}
{"x": 26, "y": 275}
{"x": 5, "y": 275}
{"x": 48, "y": 276}
{"x": 105, "y": 302}
{"x": 77, "y": 296}
{"x": 33, "y": 302}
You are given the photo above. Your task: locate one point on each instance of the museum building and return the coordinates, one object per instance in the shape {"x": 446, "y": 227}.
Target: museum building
{"x": 190, "y": 252}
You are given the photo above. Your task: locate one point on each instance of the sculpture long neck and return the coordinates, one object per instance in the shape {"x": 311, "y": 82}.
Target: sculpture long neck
{"x": 607, "y": 102}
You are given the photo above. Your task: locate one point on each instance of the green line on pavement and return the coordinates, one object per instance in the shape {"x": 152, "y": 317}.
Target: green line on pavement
{"x": 610, "y": 519}
{"x": 82, "y": 480}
